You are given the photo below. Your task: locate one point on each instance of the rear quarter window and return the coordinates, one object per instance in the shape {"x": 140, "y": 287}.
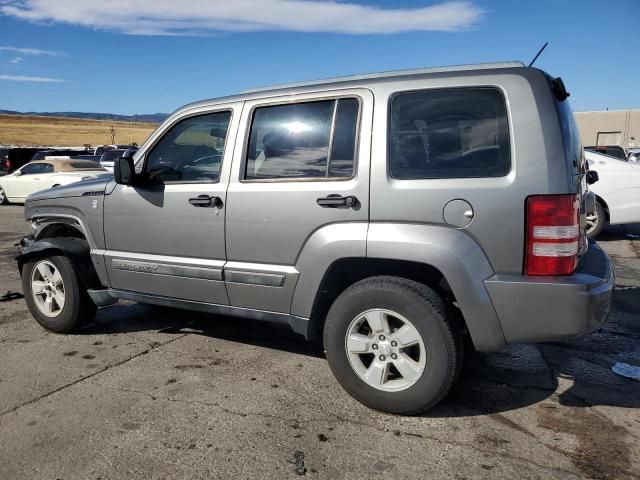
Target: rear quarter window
{"x": 449, "y": 133}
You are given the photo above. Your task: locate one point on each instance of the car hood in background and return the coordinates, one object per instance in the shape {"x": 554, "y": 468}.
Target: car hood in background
{"x": 90, "y": 186}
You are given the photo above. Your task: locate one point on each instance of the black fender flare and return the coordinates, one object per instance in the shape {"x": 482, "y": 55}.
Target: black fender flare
{"x": 77, "y": 250}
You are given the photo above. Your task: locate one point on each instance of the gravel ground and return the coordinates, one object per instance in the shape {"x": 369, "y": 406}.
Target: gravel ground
{"x": 157, "y": 393}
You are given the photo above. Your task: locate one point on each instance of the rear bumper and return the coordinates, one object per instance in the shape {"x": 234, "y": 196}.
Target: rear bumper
{"x": 535, "y": 309}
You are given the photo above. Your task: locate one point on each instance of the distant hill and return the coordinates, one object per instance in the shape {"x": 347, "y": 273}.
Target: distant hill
{"x": 146, "y": 117}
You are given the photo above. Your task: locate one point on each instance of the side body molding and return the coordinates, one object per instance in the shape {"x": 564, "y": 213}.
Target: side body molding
{"x": 324, "y": 247}
{"x": 461, "y": 261}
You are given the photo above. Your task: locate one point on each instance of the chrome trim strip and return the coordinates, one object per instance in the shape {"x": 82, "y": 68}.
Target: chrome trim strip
{"x": 254, "y": 278}
{"x": 260, "y": 267}
{"x": 167, "y": 269}
{"x": 165, "y": 259}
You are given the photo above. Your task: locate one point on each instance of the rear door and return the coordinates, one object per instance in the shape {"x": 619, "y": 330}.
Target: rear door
{"x": 303, "y": 164}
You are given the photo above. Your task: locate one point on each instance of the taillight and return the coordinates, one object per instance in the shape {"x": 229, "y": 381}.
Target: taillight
{"x": 553, "y": 234}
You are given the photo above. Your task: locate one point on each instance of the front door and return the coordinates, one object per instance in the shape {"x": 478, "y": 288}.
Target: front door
{"x": 303, "y": 166}
{"x": 166, "y": 236}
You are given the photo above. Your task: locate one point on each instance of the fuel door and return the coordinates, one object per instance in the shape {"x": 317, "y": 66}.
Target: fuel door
{"x": 458, "y": 213}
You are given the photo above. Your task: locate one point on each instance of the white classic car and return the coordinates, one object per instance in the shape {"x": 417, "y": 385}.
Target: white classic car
{"x": 43, "y": 174}
{"x": 617, "y": 192}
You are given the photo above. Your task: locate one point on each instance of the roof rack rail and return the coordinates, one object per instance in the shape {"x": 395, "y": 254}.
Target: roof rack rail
{"x": 395, "y": 73}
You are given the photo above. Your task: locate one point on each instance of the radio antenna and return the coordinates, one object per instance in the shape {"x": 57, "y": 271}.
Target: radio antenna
{"x": 539, "y": 53}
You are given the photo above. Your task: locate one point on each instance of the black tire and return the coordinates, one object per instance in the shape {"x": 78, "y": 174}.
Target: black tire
{"x": 3, "y": 197}
{"x": 601, "y": 221}
{"x": 78, "y": 307}
{"x": 429, "y": 314}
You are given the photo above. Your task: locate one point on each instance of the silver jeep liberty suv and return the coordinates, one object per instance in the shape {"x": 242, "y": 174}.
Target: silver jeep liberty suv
{"x": 388, "y": 216}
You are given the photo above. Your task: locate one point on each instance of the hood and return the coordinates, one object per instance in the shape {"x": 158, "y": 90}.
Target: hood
{"x": 76, "y": 189}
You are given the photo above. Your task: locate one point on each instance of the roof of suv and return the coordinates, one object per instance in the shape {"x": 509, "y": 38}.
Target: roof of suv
{"x": 354, "y": 79}
{"x": 394, "y": 73}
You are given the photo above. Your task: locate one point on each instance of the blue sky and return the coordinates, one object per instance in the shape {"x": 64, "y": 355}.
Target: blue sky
{"x": 97, "y": 56}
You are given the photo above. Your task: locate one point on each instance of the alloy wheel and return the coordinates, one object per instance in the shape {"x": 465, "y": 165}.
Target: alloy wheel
{"x": 385, "y": 350}
{"x": 47, "y": 288}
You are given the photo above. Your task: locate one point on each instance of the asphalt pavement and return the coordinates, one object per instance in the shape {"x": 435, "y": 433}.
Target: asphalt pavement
{"x": 145, "y": 392}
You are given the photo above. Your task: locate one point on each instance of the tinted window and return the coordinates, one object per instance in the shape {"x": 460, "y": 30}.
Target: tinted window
{"x": 571, "y": 137}
{"x": 190, "y": 151}
{"x": 35, "y": 168}
{"x": 296, "y": 141}
{"x": 40, "y": 155}
{"x": 111, "y": 155}
{"x": 86, "y": 165}
{"x": 452, "y": 133}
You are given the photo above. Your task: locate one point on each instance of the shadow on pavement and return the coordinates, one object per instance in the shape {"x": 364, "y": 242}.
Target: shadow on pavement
{"x": 489, "y": 383}
{"x": 125, "y": 318}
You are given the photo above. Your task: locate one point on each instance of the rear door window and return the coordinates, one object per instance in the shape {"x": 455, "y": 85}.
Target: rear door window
{"x": 303, "y": 140}
{"x": 449, "y": 133}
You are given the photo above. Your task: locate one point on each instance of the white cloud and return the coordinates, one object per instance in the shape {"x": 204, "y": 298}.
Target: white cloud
{"x": 21, "y": 78}
{"x": 197, "y": 17}
{"x": 15, "y": 60}
{"x": 32, "y": 51}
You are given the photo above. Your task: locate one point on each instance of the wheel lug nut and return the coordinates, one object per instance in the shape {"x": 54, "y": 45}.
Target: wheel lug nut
{"x": 381, "y": 337}
{"x": 374, "y": 346}
{"x": 394, "y": 344}
{"x": 382, "y": 358}
{"x": 394, "y": 356}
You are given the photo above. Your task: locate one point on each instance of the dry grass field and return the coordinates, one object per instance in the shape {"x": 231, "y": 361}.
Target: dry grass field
{"x": 59, "y": 131}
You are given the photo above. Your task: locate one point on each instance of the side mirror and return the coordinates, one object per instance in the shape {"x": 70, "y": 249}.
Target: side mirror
{"x": 124, "y": 171}
{"x": 592, "y": 177}
{"x": 17, "y": 173}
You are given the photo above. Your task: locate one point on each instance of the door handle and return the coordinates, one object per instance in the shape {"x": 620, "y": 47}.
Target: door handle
{"x": 206, "y": 201}
{"x": 338, "y": 201}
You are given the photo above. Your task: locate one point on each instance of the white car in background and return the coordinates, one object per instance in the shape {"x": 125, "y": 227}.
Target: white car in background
{"x": 44, "y": 174}
{"x": 617, "y": 192}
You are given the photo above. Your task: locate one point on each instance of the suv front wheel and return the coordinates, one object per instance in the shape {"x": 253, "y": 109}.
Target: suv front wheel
{"x": 392, "y": 343}
{"x": 54, "y": 294}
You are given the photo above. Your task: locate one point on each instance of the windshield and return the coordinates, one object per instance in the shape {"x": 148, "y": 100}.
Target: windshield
{"x": 595, "y": 156}
{"x": 111, "y": 155}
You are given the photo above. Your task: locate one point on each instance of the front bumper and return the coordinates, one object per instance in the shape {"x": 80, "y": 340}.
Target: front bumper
{"x": 536, "y": 309}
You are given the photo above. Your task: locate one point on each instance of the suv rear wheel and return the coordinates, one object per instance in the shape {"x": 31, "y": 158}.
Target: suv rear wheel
{"x": 392, "y": 343}
{"x": 54, "y": 294}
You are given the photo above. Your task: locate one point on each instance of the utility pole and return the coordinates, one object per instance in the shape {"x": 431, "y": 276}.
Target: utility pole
{"x": 113, "y": 135}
